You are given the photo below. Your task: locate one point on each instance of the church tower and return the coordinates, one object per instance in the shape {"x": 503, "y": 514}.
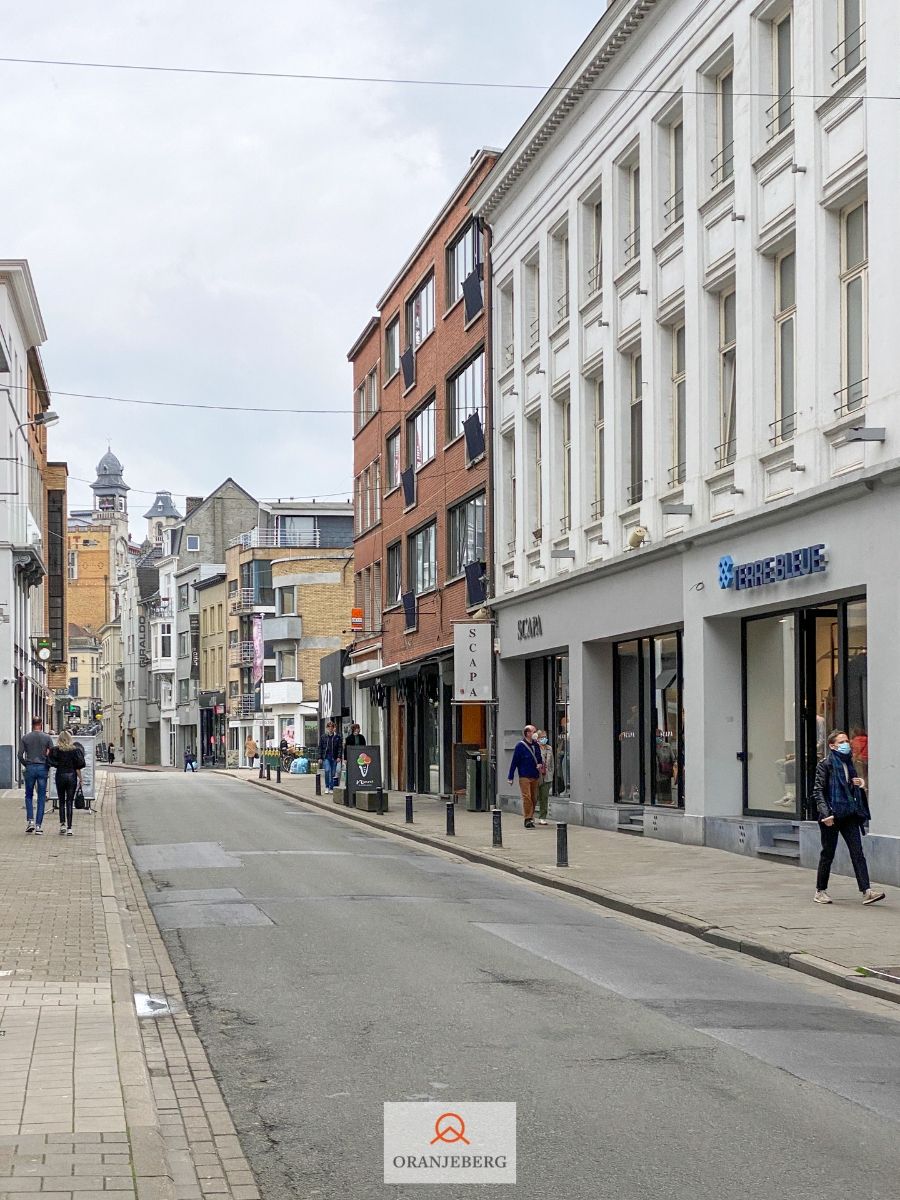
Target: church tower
{"x": 161, "y": 515}
{"x": 110, "y": 491}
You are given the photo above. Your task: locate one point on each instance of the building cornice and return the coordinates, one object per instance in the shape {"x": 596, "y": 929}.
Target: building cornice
{"x": 16, "y": 274}
{"x": 611, "y": 33}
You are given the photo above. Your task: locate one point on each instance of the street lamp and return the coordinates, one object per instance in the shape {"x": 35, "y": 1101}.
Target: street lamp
{"x": 45, "y": 418}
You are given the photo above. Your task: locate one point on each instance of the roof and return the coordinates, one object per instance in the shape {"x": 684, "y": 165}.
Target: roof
{"x": 212, "y": 496}
{"x": 162, "y": 506}
{"x": 109, "y": 475}
{"x": 373, "y": 324}
{"x": 210, "y": 581}
{"x": 16, "y": 274}
{"x": 148, "y": 582}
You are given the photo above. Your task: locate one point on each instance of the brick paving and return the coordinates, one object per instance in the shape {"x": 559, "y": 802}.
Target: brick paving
{"x": 94, "y": 1102}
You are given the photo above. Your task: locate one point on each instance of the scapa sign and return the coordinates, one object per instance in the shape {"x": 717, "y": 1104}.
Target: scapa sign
{"x": 529, "y": 627}
{"x": 472, "y": 653}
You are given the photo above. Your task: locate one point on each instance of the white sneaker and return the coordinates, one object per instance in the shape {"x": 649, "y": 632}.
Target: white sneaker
{"x": 822, "y": 898}
{"x": 541, "y": 821}
{"x": 29, "y": 828}
{"x": 37, "y": 829}
{"x": 62, "y": 831}
{"x": 872, "y": 896}
{"x": 69, "y": 833}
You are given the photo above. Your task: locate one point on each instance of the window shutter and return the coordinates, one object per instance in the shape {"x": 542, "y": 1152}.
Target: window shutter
{"x": 409, "y": 609}
{"x": 474, "y": 437}
{"x": 474, "y": 301}
{"x": 475, "y": 579}
{"x": 408, "y": 366}
{"x": 408, "y": 480}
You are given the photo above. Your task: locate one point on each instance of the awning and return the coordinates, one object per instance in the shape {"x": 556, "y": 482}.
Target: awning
{"x": 387, "y": 677}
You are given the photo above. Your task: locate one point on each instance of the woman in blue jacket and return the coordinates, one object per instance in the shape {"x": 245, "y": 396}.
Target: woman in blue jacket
{"x": 843, "y": 811}
{"x": 528, "y": 761}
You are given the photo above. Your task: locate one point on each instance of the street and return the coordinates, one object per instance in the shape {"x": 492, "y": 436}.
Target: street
{"x": 329, "y": 969}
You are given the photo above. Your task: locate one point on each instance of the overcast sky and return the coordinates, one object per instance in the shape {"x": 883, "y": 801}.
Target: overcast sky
{"x": 224, "y": 240}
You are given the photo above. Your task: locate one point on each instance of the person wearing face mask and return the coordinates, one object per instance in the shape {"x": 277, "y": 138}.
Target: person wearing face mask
{"x": 843, "y": 811}
{"x": 546, "y": 775}
{"x": 527, "y": 760}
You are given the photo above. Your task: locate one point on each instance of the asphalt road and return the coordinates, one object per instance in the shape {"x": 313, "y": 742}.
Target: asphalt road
{"x": 330, "y": 969}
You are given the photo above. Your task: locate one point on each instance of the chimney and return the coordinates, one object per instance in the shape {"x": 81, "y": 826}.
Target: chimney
{"x": 190, "y": 503}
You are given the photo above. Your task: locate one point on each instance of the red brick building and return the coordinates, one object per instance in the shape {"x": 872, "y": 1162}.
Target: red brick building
{"x": 422, "y": 497}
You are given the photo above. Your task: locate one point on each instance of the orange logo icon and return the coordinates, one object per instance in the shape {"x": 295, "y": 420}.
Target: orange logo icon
{"x": 450, "y": 1128}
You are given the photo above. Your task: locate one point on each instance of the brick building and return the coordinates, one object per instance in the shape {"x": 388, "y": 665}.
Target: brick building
{"x": 422, "y": 497}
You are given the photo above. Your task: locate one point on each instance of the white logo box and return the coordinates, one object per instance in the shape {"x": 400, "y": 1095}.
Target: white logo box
{"x": 449, "y": 1142}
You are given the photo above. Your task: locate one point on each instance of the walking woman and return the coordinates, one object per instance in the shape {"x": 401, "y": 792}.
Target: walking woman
{"x": 843, "y": 811}
{"x": 546, "y": 776}
{"x": 68, "y": 758}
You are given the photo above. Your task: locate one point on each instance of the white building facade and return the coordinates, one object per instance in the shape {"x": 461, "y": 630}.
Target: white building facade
{"x": 696, "y": 419}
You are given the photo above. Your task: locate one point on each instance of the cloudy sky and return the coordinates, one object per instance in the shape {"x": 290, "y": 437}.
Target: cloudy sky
{"x": 224, "y": 240}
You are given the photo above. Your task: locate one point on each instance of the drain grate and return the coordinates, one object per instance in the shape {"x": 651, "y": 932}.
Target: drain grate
{"x": 151, "y": 1006}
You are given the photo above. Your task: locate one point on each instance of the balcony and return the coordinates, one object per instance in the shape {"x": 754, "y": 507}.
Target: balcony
{"x": 282, "y": 629}
{"x": 160, "y": 608}
{"x": 276, "y": 538}
{"x": 245, "y": 600}
{"x": 243, "y": 706}
{"x": 240, "y": 654}
{"x": 283, "y": 691}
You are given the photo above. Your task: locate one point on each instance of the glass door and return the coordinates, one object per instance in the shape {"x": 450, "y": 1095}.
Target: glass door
{"x": 770, "y": 722}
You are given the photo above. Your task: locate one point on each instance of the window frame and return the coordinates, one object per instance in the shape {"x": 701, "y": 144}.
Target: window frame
{"x": 635, "y": 424}
{"x": 678, "y": 460}
{"x": 633, "y": 235}
{"x": 392, "y": 477}
{"x": 425, "y": 289}
{"x": 192, "y": 537}
{"x": 411, "y": 425}
{"x": 673, "y": 208}
{"x": 392, "y": 348}
{"x": 454, "y": 288}
{"x": 425, "y": 534}
{"x": 780, "y": 114}
{"x": 565, "y": 406}
{"x": 454, "y": 423}
{"x": 851, "y": 274}
{"x": 727, "y": 449}
{"x": 394, "y": 557}
{"x": 723, "y": 161}
{"x": 784, "y": 425}
{"x": 598, "y": 505}
{"x": 458, "y": 550}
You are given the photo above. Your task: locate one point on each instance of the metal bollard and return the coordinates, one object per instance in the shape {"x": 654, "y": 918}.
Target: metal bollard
{"x": 562, "y": 844}
{"x": 268, "y": 770}
{"x": 318, "y": 783}
{"x": 496, "y": 827}
{"x": 278, "y": 771}
{"x": 262, "y": 769}
{"x": 409, "y": 810}
{"x": 451, "y": 819}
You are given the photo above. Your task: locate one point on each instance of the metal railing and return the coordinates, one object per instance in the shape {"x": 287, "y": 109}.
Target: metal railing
{"x": 677, "y": 474}
{"x": 783, "y": 429}
{"x": 562, "y": 308}
{"x": 780, "y": 115}
{"x": 851, "y": 398}
{"x": 635, "y": 492}
{"x": 594, "y": 278}
{"x": 243, "y": 706}
{"x": 160, "y": 608}
{"x": 509, "y": 354}
{"x": 633, "y": 245}
{"x": 240, "y": 654}
{"x": 598, "y": 508}
{"x": 534, "y": 332}
{"x": 269, "y": 538}
{"x": 726, "y": 453}
{"x": 673, "y": 209}
{"x": 565, "y": 524}
{"x": 244, "y": 601}
{"x": 850, "y": 53}
{"x": 723, "y": 165}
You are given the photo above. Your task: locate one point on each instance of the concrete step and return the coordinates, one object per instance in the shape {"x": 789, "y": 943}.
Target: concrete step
{"x": 637, "y": 830}
{"x": 791, "y": 853}
{"x": 789, "y": 839}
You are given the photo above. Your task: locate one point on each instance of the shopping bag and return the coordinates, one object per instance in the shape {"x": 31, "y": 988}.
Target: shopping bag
{"x": 79, "y": 798}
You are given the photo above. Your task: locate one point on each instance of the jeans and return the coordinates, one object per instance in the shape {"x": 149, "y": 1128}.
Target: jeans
{"x": 529, "y": 790}
{"x": 330, "y": 768}
{"x": 35, "y": 773}
{"x": 189, "y": 762}
{"x": 66, "y": 786}
{"x": 850, "y": 830}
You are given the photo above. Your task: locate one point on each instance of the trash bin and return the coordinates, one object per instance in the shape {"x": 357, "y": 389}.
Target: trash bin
{"x": 476, "y": 781}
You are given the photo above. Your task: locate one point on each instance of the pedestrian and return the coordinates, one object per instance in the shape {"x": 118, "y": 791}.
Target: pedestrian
{"x": 68, "y": 758}
{"x": 330, "y": 752}
{"x": 528, "y": 761}
{"x": 112, "y": 754}
{"x": 354, "y": 737}
{"x": 190, "y": 760}
{"x": 546, "y": 775}
{"x": 33, "y": 751}
{"x": 251, "y": 750}
{"x": 843, "y": 811}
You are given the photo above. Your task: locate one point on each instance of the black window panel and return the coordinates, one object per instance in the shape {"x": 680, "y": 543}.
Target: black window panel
{"x": 474, "y": 432}
{"x": 475, "y": 589}
{"x": 408, "y": 481}
{"x": 472, "y": 297}
{"x": 408, "y": 367}
{"x": 409, "y": 609}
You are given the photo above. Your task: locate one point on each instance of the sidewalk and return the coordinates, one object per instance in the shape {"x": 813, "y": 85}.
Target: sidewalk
{"x": 95, "y": 1102}
{"x": 757, "y": 907}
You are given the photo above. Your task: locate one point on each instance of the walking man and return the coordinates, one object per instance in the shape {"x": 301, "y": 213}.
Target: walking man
{"x": 528, "y": 761}
{"x": 330, "y": 752}
{"x": 354, "y": 737}
{"x": 33, "y": 751}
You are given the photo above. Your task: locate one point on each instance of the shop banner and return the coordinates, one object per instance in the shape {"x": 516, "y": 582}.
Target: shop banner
{"x": 473, "y": 643}
{"x": 195, "y": 645}
{"x": 88, "y": 784}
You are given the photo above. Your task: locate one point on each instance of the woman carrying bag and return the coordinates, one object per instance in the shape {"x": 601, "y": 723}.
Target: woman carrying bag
{"x": 68, "y": 759}
{"x": 843, "y": 811}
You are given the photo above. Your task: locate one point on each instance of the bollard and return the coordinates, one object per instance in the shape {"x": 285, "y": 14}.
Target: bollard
{"x": 318, "y": 783}
{"x": 497, "y": 827}
{"x": 262, "y": 769}
{"x": 451, "y": 819}
{"x": 409, "y": 810}
{"x": 562, "y": 844}
{"x": 268, "y": 770}
{"x": 278, "y": 771}
{"x": 380, "y": 802}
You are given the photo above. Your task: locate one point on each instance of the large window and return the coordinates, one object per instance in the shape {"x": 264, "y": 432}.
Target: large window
{"x": 394, "y": 574}
{"x": 463, "y": 257}
{"x": 559, "y": 266}
{"x": 465, "y": 395}
{"x": 673, "y": 209}
{"x": 392, "y": 460}
{"x": 392, "y": 349}
{"x": 678, "y": 468}
{"x": 723, "y": 160}
{"x": 635, "y": 428}
{"x": 286, "y": 602}
{"x": 727, "y": 448}
{"x": 595, "y": 234}
{"x": 780, "y": 115}
{"x": 565, "y": 523}
{"x": 633, "y": 233}
{"x": 532, "y": 310}
{"x": 165, "y": 640}
{"x": 466, "y": 529}
{"x": 420, "y": 436}
{"x": 183, "y": 597}
{"x": 547, "y": 707}
{"x": 422, "y": 565}
{"x": 183, "y": 645}
{"x": 599, "y": 448}
{"x": 851, "y": 48}
{"x": 854, "y": 309}
{"x": 649, "y": 751}
{"x": 785, "y": 339}
{"x": 420, "y": 313}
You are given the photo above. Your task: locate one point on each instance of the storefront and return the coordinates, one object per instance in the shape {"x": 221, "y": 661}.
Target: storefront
{"x": 649, "y": 720}
{"x": 213, "y": 723}
{"x": 547, "y": 705}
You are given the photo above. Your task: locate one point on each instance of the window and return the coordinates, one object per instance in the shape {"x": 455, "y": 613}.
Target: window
{"x": 422, "y": 565}
{"x": 286, "y": 602}
{"x": 420, "y": 436}
{"x": 673, "y": 209}
{"x": 203, "y": 624}
{"x": 679, "y": 408}
{"x": 466, "y": 530}
{"x": 599, "y": 449}
{"x": 636, "y": 428}
{"x": 648, "y": 703}
{"x": 73, "y": 663}
{"x": 392, "y": 349}
{"x": 193, "y": 543}
{"x": 465, "y": 395}
{"x": 854, "y": 309}
{"x": 420, "y": 314}
{"x": 633, "y": 236}
{"x": 376, "y": 597}
{"x": 73, "y": 565}
{"x": 463, "y": 257}
{"x": 727, "y": 449}
{"x": 372, "y": 393}
{"x": 392, "y": 460}
{"x": 165, "y": 640}
{"x": 566, "y": 415}
{"x": 595, "y": 239}
{"x": 536, "y": 490}
{"x": 507, "y": 326}
{"x": 184, "y": 691}
{"x": 360, "y": 406}
{"x": 723, "y": 161}
{"x": 532, "y": 303}
{"x": 232, "y": 587}
{"x": 394, "y": 574}
{"x": 183, "y": 645}
{"x": 286, "y": 664}
{"x": 183, "y": 597}
{"x": 785, "y": 335}
{"x": 780, "y": 115}
{"x": 851, "y": 48}
{"x": 221, "y": 618}
{"x": 508, "y": 444}
{"x": 376, "y": 490}
{"x": 560, "y": 270}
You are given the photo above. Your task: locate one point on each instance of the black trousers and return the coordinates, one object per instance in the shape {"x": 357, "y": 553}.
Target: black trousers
{"x": 66, "y": 787}
{"x": 850, "y": 829}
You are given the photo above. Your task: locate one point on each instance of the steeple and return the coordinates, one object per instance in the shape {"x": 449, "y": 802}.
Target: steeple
{"x": 161, "y": 514}
{"x": 109, "y": 488}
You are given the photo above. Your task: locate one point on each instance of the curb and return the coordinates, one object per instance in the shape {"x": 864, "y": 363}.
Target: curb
{"x": 806, "y": 964}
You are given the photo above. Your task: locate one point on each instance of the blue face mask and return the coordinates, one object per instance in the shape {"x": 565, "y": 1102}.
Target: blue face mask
{"x": 543, "y": 741}
{"x": 843, "y": 748}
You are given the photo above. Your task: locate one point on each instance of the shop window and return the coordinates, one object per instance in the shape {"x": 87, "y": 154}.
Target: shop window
{"x": 547, "y": 708}
{"x": 649, "y": 721}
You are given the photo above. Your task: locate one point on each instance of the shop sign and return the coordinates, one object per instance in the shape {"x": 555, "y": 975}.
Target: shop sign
{"x": 364, "y": 768}
{"x": 472, "y": 661}
{"x": 777, "y": 568}
{"x": 529, "y": 627}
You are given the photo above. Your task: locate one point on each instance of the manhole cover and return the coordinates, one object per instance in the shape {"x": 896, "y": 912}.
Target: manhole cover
{"x": 151, "y": 1006}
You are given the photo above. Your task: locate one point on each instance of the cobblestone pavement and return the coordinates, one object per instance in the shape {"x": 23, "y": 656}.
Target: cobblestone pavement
{"x": 746, "y": 904}
{"x": 95, "y": 1102}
